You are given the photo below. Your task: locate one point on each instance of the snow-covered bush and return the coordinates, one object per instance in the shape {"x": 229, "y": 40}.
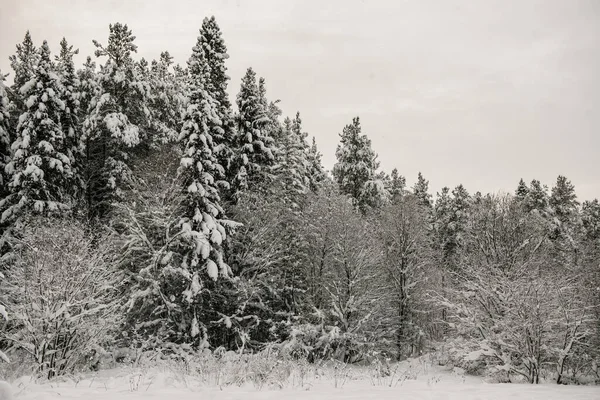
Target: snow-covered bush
{"x": 518, "y": 305}
{"x": 60, "y": 289}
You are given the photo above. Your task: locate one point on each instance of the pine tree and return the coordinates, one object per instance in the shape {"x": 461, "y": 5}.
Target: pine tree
{"x": 590, "y": 216}
{"x": 537, "y": 197}
{"x": 88, "y": 87}
{"x": 563, "y": 199}
{"x": 215, "y": 54}
{"x": 292, "y": 163}
{"x": 166, "y": 102}
{"x": 24, "y": 62}
{"x": 203, "y": 224}
{"x": 522, "y": 190}
{"x": 356, "y": 168}
{"x": 421, "y": 190}
{"x": 253, "y": 146}
{"x": 70, "y": 118}
{"x": 316, "y": 172}
{"x": 4, "y": 137}
{"x": 461, "y": 203}
{"x": 443, "y": 229}
{"x": 397, "y": 184}
{"x": 115, "y": 123}
{"x": 40, "y": 170}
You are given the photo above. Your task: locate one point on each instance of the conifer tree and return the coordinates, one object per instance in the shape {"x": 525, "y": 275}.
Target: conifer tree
{"x": 70, "y": 117}
{"x": 563, "y": 199}
{"x": 4, "y": 137}
{"x": 397, "y": 184}
{"x": 522, "y": 190}
{"x": 165, "y": 102}
{"x": 40, "y": 169}
{"x": 421, "y": 190}
{"x": 537, "y": 197}
{"x": 590, "y": 217}
{"x": 215, "y": 55}
{"x": 442, "y": 224}
{"x": 253, "y": 146}
{"x": 88, "y": 87}
{"x": 203, "y": 225}
{"x": 292, "y": 158}
{"x": 115, "y": 124}
{"x": 24, "y": 62}
{"x": 355, "y": 170}
{"x": 316, "y": 172}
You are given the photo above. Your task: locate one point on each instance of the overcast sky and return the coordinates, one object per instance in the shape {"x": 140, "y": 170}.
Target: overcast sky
{"x": 479, "y": 92}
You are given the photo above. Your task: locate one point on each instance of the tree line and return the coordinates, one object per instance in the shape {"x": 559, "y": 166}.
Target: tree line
{"x": 139, "y": 208}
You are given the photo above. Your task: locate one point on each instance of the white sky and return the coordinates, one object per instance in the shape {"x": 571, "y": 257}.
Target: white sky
{"x": 474, "y": 92}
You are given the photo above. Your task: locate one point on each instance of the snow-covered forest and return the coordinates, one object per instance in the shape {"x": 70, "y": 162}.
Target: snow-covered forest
{"x": 145, "y": 213}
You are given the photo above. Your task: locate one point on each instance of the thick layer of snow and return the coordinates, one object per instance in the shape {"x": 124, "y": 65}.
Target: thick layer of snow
{"x": 120, "y": 384}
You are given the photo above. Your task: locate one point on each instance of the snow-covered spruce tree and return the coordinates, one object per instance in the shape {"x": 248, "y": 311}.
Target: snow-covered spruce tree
{"x": 442, "y": 225}
{"x": 253, "y": 146}
{"x": 166, "y": 102}
{"x": 590, "y": 218}
{"x": 537, "y": 198}
{"x": 395, "y": 184}
{"x": 452, "y": 217}
{"x": 24, "y": 62}
{"x": 355, "y": 169}
{"x": 198, "y": 249}
{"x": 115, "y": 122}
{"x": 201, "y": 173}
{"x": 564, "y": 204}
{"x": 421, "y": 190}
{"x": 316, "y": 172}
{"x": 522, "y": 190}
{"x": 4, "y": 136}
{"x": 292, "y": 163}
{"x": 70, "y": 121}
{"x": 88, "y": 87}
{"x": 215, "y": 55}
{"x": 563, "y": 199}
{"x": 40, "y": 169}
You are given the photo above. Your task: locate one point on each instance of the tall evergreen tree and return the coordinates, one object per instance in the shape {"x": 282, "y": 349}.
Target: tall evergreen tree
{"x": 253, "y": 145}
{"x": 4, "y": 137}
{"x": 165, "y": 102}
{"x": 24, "y": 62}
{"x": 292, "y": 163}
{"x": 563, "y": 199}
{"x": 215, "y": 54}
{"x": 316, "y": 172}
{"x": 397, "y": 184}
{"x": 355, "y": 170}
{"x": 114, "y": 125}
{"x": 70, "y": 117}
{"x": 590, "y": 216}
{"x": 421, "y": 190}
{"x": 537, "y": 197}
{"x": 202, "y": 220}
{"x": 40, "y": 170}
{"x": 88, "y": 87}
{"x": 522, "y": 190}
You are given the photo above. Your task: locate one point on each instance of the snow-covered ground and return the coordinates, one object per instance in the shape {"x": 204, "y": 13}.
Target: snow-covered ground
{"x": 435, "y": 383}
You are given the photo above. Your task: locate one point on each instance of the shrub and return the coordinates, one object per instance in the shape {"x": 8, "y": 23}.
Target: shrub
{"x": 60, "y": 292}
